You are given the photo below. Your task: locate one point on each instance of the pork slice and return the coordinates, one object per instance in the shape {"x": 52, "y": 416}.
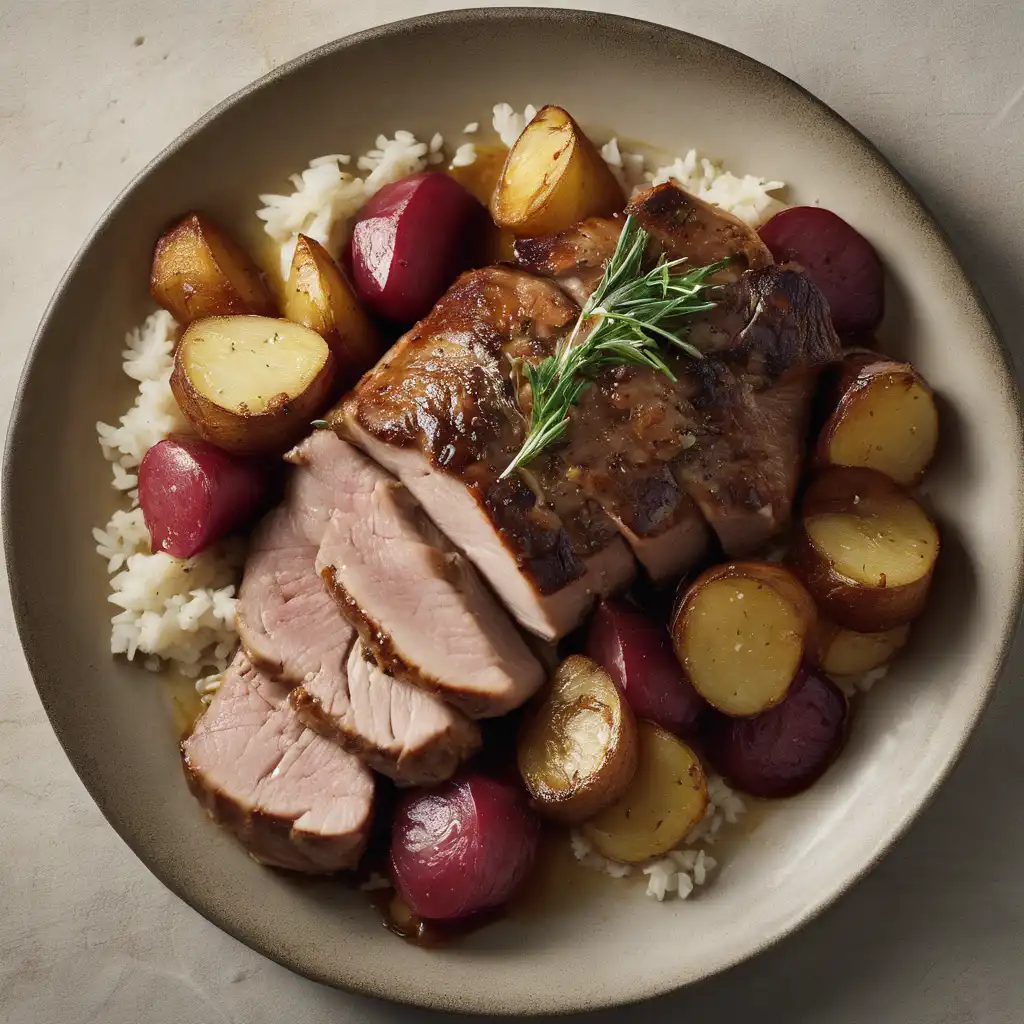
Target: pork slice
{"x": 419, "y": 605}
{"x": 293, "y": 629}
{"x": 294, "y": 799}
{"x": 682, "y": 225}
{"x": 287, "y": 627}
{"x": 767, "y": 342}
{"x": 575, "y": 258}
{"x": 417, "y": 739}
{"x": 441, "y": 413}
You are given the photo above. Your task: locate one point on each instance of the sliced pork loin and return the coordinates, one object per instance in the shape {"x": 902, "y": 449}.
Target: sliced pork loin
{"x": 419, "y": 606}
{"x": 295, "y": 799}
{"x": 441, "y": 412}
{"x": 404, "y": 732}
{"x": 293, "y": 629}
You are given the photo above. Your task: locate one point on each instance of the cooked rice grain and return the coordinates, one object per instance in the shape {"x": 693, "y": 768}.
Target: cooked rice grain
{"x": 172, "y": 610}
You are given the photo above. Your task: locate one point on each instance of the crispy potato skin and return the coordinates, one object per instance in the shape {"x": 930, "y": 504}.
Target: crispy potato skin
{"x": 271, "y": 432}
{"x": 591, "y": 791}
{"x": 774, "y": 576}
{"x": 849, "y": 603}
{"x": 861, "y": 371}
{"x": 529, "y": 200}
{"x": 318, "y": 296}
{"x": 199, "y": 271}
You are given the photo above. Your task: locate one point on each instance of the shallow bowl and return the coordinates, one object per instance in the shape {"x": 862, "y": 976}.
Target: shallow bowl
{"x": 594, "y": 944}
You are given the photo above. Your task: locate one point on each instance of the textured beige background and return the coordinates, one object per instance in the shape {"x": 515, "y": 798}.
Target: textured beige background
{"x": 90, "y": 91}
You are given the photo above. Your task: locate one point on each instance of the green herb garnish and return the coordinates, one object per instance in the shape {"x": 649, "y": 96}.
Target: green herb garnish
{"x": 319, "y": 424}
{"x": 629, "y": 318}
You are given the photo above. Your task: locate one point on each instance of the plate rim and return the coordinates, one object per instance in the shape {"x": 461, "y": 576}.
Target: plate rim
{"x": 988, "y": 335}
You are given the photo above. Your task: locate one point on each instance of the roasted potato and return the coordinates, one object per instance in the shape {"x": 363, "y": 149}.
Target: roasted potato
{"x": 865, "y": 549}
{"x": 250, "y": 384}
{"x": 741, "y": 631}
{"x": 318, "y": 296}
{"x": 842, "y": 652}
{"x": 884, "y": 419}
{"x": 666, "y": 799}
{"x": 553, "y": 177}
{"x": 577, "y": 751}
{"x": 199, "y": 271}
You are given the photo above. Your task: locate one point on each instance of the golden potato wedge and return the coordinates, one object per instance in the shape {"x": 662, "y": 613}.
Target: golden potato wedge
{"x": 251, "y": 384}
{"x": 553, "y": 177}
{"x": 199, "y": 271}
{"x": 741, "y": 631}
{"x": 842, "y": 652}
{"x": 865, "y": 549}
{"x": 577, "y": 750}
{"x": 666, "y": 799}
{"x": 884, "y": 418}
{"x": 318, "y": 296}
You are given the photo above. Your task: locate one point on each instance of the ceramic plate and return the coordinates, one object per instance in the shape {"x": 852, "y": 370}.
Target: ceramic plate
{"x": 592, "y": 944}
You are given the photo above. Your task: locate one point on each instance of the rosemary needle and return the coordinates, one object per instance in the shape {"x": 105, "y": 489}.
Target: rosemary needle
{"x": 629, "y": 318}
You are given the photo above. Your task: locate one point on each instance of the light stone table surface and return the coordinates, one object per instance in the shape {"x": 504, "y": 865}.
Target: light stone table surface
{"x": 89, "y": 92}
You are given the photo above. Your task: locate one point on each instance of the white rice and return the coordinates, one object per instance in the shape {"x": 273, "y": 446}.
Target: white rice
{"x": 464, "y": 155}
{"x": 172, "y": 610}
{"x": 746, "y": 197}
{"x": 853, "y": 685}
{"x": 680, "y": 870}
{"x": 508, "y": 124}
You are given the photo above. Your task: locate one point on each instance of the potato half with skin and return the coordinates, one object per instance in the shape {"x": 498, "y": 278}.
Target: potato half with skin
{"x": 199, "y": 271}
{"x": 884, "y": 418}
{"x": 842, "y": 652}
{"x": 865, "y": 549}
{"x": 577, "y": 751}
{"x": 553, "y": 178}
{"x": 666, "y": 799}
{"x": 251, "y": 384}
{"x": 741, "y": 632}
{"x": 318, "y": 296}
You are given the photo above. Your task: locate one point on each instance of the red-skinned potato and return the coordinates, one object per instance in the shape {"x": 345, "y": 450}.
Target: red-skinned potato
{"x": 199, "y": 271}
{"x": 193, "y": 494}
{"x": 837, "y": 258}
{"x": 637, "y": 653}
{"x": 317, "y": 295}
{"x": 884, "y": 418}
{"x": 786, "y": 749}
{"x": 741, "y": 631}
{"x": 410, "y": 242}
{"x": 251, "y": 384}
{"x": 865, "y": 549}
{"x": 463, "y": 847}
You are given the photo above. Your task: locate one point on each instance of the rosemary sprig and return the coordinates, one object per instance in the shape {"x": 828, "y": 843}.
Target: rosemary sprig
{"x": 627, "y": 320}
